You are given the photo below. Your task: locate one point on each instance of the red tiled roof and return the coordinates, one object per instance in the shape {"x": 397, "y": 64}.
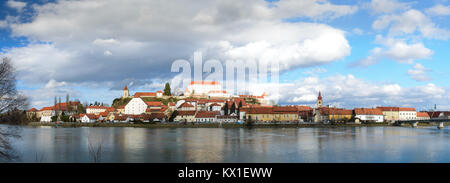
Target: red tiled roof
{"x": 215, "y": 104}
{"x": 125, "y": 88}
{"x": 121, "y": 107}
{"x": 171, "y": 104}
{"x": 389, "y": 108}
{"x": 156, "y": 103}
{"x": 103, "y": 114}
{"x": 32, "y": 110}
{"x": 204, "y": 82}
{"x": 145, "y": 94}
{"x": 185, "y": 105}
{"x": 186, "y": 113}
{"x": 367, "y": 111}
{"x": 422, "y": 115}
{"x": 96, "y": 107}
{"x": 207, "y": 114}
{"x": 47, "y": 108}
{"x": 303, "y": 108}
{"x": 407, "y": 109}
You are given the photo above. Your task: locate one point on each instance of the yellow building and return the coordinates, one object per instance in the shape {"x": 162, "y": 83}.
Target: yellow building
{"x": 271, "y": 114}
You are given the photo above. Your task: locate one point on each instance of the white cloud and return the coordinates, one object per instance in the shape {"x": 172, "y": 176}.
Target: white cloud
{"x": 54, "y": 84}
{"x": 18, "y": 5}
{"x": 3, "y": 24}
{"x": 358, "y": 31}
{"x": 349, "y": 91}
{"x": 419, "y": 73}
{"x": 438, "y": 10}
{"x": 318, "y": 9}
{"x": 410, "y": 22}
{"x": 405, "y": 53}
{"x": 387, "y": 6}
{"x": 143, "y": 46}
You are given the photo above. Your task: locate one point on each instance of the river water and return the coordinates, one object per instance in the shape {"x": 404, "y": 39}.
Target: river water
{"x": 264, "y": 145}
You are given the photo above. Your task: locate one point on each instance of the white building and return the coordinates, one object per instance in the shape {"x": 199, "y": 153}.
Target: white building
{"x": 215, "y": 107}
{"x": 407, "y": 113}
{"x": 206, "y": 116}
{"x": 368, "y": 115}
{"x": 90, "y": 118}
{"x": 135, "y": 106}
{"x": 46, "y": 118}
{"x": 95, "y": 109}
{"x": 202, "y": 88}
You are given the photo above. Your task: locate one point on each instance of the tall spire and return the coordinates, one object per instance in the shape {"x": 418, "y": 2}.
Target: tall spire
{"x": 320, "y": 96}
{"x": 126, "y": 88}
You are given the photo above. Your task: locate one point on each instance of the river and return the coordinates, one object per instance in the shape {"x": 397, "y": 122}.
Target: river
{"x": 265, "y": 145}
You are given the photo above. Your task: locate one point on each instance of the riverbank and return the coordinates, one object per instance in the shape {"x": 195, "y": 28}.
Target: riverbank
{"x": 207, "y": 125}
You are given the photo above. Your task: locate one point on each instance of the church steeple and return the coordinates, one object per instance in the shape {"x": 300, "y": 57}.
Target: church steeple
{"x": 319, "y": 100}
{"x": 126, "y": 92}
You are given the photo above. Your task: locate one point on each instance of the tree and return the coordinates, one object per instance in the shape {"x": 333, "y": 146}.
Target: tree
{"x": 167, "y": 90}
{"x": 225, "y": 109}
{"x": 239, "y": 107}
{"x": 233, "y": 108}
{"x": 10, "y": 104}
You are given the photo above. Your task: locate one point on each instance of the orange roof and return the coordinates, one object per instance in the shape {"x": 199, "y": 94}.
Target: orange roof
{"x": 207, "y": 114}
{"x": 186, "y": 113}
{"x": 320, "y": 96}
{"x": 407, "y": 109}
{"x": 121, "y": 107}
{"x": 145, "y": 94}
{"x": 388, "y": 108}
{"x": 47, "y": 108}
{"x": 185, "y": 105}
{"x": 204, "y": 82}
{"x": 423, "y": 114}
{"x": 96, "y": 107}
{"x": 104, "y": 114}
{"x": 32, "y": 110}
{"x": 304, "y": 108}
{"x": 125, "y": 88}
{"x": 157, "y": 103}
{"x": 367, "y": 111}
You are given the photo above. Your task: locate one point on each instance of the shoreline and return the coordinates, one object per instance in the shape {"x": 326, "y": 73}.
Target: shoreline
{"x": 208, "y": 125}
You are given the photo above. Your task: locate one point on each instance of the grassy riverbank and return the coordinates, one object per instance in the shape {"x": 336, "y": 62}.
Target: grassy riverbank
{"x": 210, "y": 125}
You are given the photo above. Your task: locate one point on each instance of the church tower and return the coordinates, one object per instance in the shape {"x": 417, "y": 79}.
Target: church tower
{"x": 319, "y": 100}
{"x": 126, "y": 92}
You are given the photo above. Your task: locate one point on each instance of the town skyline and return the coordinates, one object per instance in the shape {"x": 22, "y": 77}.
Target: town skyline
{"x": 358, "y": 53}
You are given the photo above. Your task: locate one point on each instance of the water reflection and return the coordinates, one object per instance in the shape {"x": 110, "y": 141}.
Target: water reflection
{"x": 352, "y": 144}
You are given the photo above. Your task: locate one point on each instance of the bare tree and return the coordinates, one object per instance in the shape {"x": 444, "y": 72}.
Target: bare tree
{"x": 10, "y": 101}
{"x": 95, "y": 149}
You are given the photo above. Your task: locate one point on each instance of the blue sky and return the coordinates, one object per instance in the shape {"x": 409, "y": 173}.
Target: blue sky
{"x": 369, "y": 53}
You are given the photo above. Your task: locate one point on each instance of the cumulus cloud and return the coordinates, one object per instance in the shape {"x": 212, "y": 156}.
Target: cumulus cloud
{"x": 405, "y": 53}
{"x": 123, "y": 42}
{"x": 387, "y": 6}
{"x": 3, "y": 24}
{"x": 18, "y": 5}
{"x": 317, "y": 9}
{"x": 418, "y": 73}
{"x": 438, "y": 10}
{"x": 410, "y": 22}
{"x": 349, "y": 91}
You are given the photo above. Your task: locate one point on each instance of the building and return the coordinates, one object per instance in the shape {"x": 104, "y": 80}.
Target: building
{"x": 32, "y": 113}
{"x": 368, "y": 115}
{"x": 95, "y": 109}
{"x": 157, "y": 94}
{"x": 202, "y": 88}
{"x": 407, "y": 113}
{"x": 185, "y": 116}
{"x": 206, "y": 116}
{"x": 439, "y": 114}
{"x": 125, "y": 92}
{"x": 186, "y": 107}
{"x": 90, "y": 118}
{"x": 271, "y": 114}
{"x": 219, "y": 94}
{"x": 233, "y": 118}
{"x": 305, "y": 113}
{"x": 135, "y": 106}
{"x": 390, "y": 113}
{"x": 318, "y": 117}
{"x": 215, "y": 107}
{"x": 423, "y": 116}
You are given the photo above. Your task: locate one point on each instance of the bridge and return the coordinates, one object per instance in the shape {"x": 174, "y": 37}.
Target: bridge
{"x": 440, "y": 122}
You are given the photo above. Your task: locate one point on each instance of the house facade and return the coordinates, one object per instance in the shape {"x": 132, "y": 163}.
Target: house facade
{"x": 135, "y": 106}
{"x": 407, "y": 113}
{"x": 368, "y": 115}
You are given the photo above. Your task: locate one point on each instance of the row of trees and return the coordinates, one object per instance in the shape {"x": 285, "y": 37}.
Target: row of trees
{"x": 232, "y": 109}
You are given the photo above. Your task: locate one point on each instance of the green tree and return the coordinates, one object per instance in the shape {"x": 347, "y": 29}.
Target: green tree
{"x": 233, "y": 108}
{"x": 225, "y": 109}
{"x": 167, "y": 90}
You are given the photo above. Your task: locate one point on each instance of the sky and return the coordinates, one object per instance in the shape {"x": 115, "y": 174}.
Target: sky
{"x": 357, "y": 53}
